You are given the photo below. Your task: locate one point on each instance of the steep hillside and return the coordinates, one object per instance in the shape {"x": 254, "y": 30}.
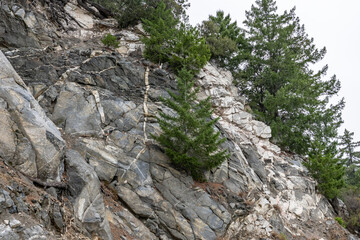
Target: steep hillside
{"x": 78, "y": 162}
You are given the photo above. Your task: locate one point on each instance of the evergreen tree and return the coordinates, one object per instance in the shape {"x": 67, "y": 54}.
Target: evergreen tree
{"x": 161, "y": 27}
{"x": 328, "y": 169}
{"x": 189, "y": 51}
{"x": 224, "y": 39}
{"x": 348, "y": 148}
{"x": 178, "y": 44}
{"x": 188, "y": 135}
{"x": 278, "y": 82}
{"x": 130, "y": 12}
{"x": 352, "y": 158}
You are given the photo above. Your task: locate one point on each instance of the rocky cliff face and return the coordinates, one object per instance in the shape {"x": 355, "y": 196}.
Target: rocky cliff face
{"x": 74, "y": 112}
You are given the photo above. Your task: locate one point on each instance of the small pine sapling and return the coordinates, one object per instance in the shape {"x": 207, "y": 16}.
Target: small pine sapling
{"x": 110, "y": 41}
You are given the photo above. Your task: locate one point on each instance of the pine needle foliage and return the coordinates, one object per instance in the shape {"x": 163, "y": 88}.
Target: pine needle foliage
{"x": 188, "y": 134}
{"x": 110, "y": 41}
{"x": 180, "y": 45}
{"x": 328, "y": 169}
{"x": 130, "y": 12}
{"x": 351, "y": 157}
{"x": 161, "y": 27}
{"x": 224, "y": 39}
{"x": 190, "y": 50}
{"x": 278, "y": 80}
{"x": 348, "y": 146}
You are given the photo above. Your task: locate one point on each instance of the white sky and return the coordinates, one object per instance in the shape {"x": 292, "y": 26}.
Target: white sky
{"x": 332, "y": 23}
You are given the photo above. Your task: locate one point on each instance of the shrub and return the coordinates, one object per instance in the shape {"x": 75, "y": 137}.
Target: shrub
{"x": 188, "y": 135}
{"x": 278, "y": 236}
{"x": 351, "y": 198}
{"x": 340, "y": 221}
{"x": 110, "y": 41}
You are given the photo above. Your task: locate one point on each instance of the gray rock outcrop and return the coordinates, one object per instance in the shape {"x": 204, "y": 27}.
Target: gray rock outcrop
{"x": 84, "y": 187}
{"x": 31, "y": 141}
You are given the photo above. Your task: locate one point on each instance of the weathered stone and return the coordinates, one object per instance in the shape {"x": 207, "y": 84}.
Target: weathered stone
{"x": 261, "y": 130}
{"x": 57, "y": 217}
{"x": 64, "y": 76}
{"x": 14, "y": 32}
{"x": 30, "y": 118}
{"x": 221, "y": 174}
{"x": 108, "y": 23}
{"x": 6, "y": 233}
{"x": 115, "y": 109}
{"x": 81, "y": 15}
{"x": 77, "y": 114}
{"x": 14, "y": 223}
{"x": 104, "y": 158}
{"x": 133, "y": 201}
{"x": 255, "y": 163}
{"x": 88, "y": 202}
{"x": 340, "y": 208}
{"x": 7, "y": 136}
{"x": 34, "y": 232}
{"x": 128, "y": 222}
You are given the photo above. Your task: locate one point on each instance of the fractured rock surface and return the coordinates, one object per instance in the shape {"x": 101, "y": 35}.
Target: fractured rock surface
{"x": 74, "y": 111}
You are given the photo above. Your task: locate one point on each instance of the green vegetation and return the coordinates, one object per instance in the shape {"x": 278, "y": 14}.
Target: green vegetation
{"x": 278, "y": 236}
{"x": 278, "y": 82}
{"x": 351, "y": 157}
{"x": 341, "y": 221}
{"x": 224, "y": 39}
{"x": 189, "y": 50}
{"x": 174, "y": 42}
{"x": 110, "y": 41}
{"x": 351, "y": 197}
{"x": 351, "y": 193}
{"x": 188, "y": 134}
{"x": 326, "y": 168}
{"x": 130, "y": 12}
{"x": 161, "y": 27}
{"x": 274, "y": 72}
{"x": 272, "y": 61}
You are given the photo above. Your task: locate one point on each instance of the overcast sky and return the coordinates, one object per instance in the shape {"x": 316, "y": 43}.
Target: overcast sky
{"x": 334, "y": 24}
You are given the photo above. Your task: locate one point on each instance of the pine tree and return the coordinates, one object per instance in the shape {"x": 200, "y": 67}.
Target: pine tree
{"x": 130, "y": 12}
{"x": 348, "y": 148}
{"x": 328, "y": 169}
{"x": 189, "y": 50}
{"x": 351, "y": 158}
{"x": 224, "y": 39}
{"x": 188, "y": 135}
{"x": 178, "y": 44}
{"x": 161, "y": 27}
{"x": 278, "y": 82}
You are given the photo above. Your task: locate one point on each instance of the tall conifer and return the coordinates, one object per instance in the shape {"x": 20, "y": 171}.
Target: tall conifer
{"x": 279, "y": 83}
{"x": 188, "y": 135}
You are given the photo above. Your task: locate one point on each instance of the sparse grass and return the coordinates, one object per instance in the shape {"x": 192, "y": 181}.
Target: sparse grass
{"x": 341, "y": 221}
{"x": 278, "y": 236}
